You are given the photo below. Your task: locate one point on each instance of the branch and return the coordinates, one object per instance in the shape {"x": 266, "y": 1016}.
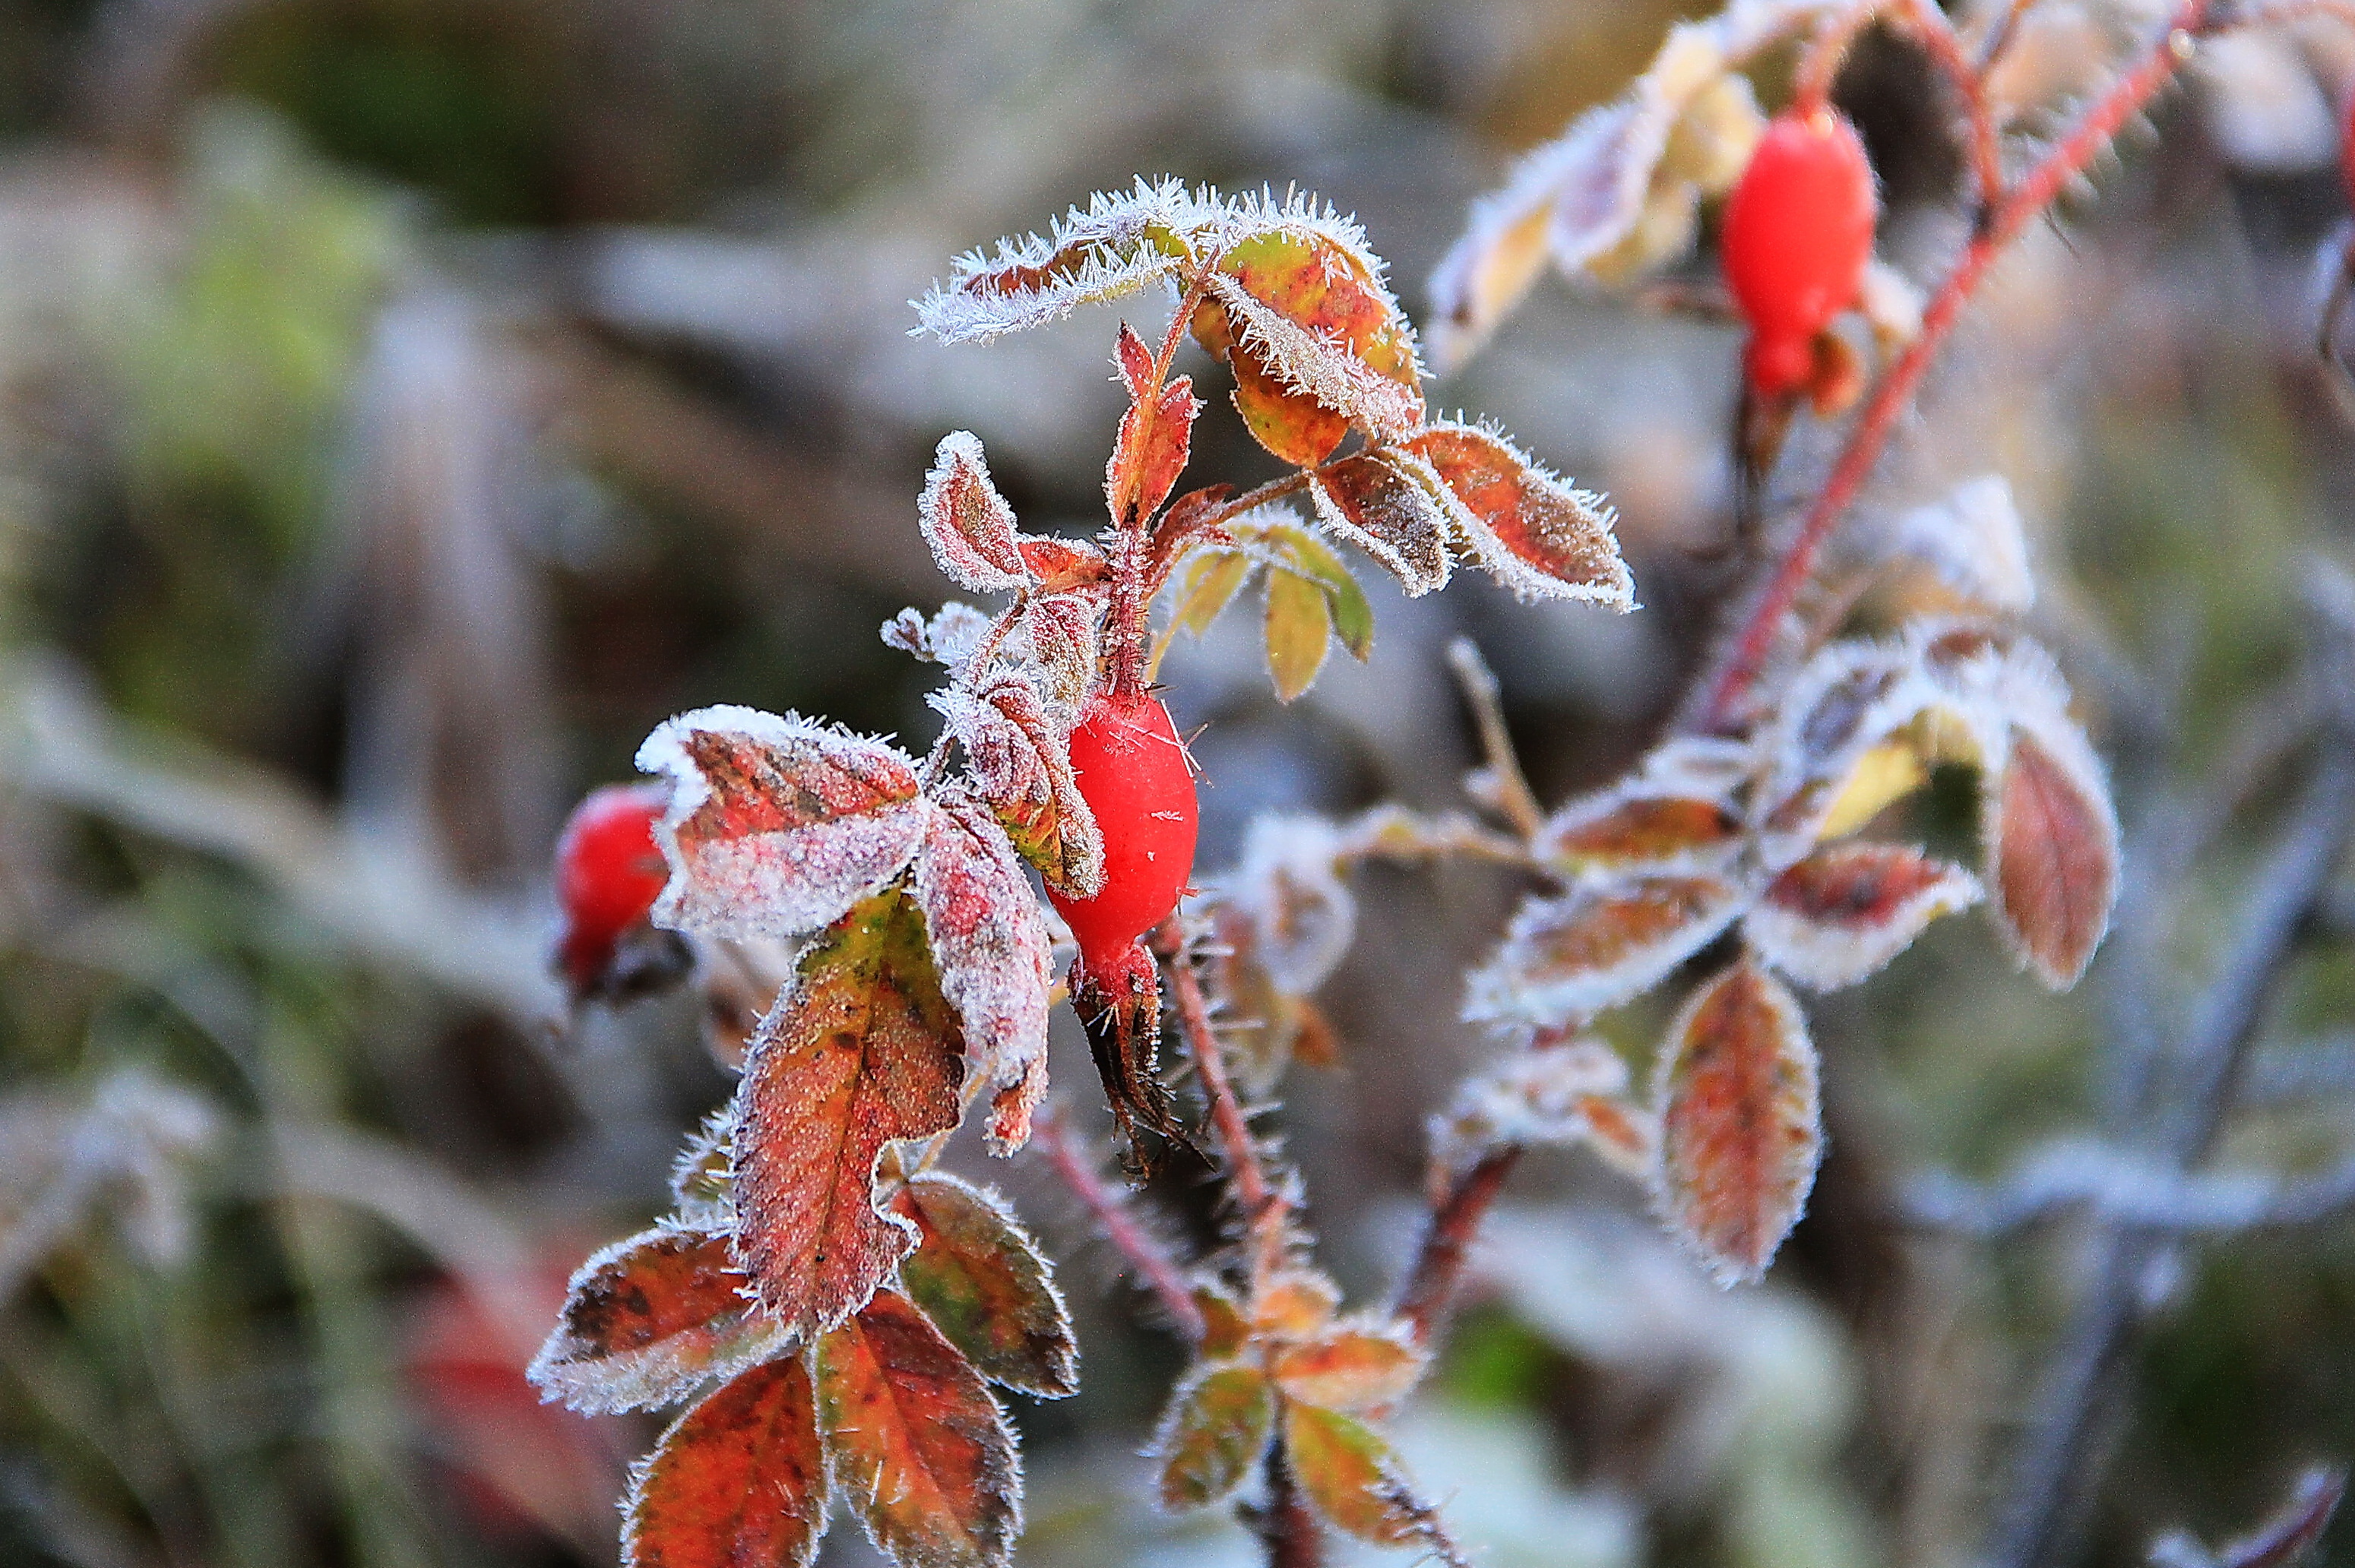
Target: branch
{"x": 1429, "y": 1289}
{"x": 1253, "y": 1191}
{"x": 1145, "y": 1254}
{"x": 1502, "y": 776}
{"x": 1870, "y": 435}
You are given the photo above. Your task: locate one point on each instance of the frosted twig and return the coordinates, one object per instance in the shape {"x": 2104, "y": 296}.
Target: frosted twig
{"x": 1145, "y": 1255}
{"x": 1513, "y": 796}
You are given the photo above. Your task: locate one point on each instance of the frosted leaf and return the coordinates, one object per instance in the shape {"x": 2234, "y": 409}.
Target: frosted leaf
{"x": 1120, "y": 244}
{"x": 1675, "y": 814}
{"x": 1302, "y": 912}
{"x": 968, "y": 525}
{"x": 1741, "y": 1123}
{"x": 1387, "y": 504}
{"x": 990, "y": 944}
{"x": 1021, "y": 765}
{"x": 1617, "y": 193}
{"x": 1848, "y": 700}
{"x": 1320, "y": 367}
{"x": 1845, "y": 910}
{"x": 951, "y": 637}
{"x": 2051, "y": 836}
{"x": 1059, "y": 633}
{"x": 1891, "y": 306}
{"x": 777, "y": 824}
{"x": 647, "y": 1319}
{"x": 1565, "y": 960}
{"x": 1550, "y": 1093}
{"x": 1974, "y": 541}
{"x": 1535, "y": 533}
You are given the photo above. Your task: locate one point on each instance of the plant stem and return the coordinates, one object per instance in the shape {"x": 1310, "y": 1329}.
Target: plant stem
{"x": 1254, "y": 1193}
{"x": 1870, "y": 435}
{"x": 1429, "y": 1289}
{"x": 1146, "y": 1256}
{"x": 1285, "y": 1526}
{"x": 1937, "y": 37}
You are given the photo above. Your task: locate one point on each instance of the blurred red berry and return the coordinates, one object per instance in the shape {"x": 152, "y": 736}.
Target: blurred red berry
{"x": 1132, "y": 772}
{"x": 1797, "y": 236}
{"x": 609, "y": 870}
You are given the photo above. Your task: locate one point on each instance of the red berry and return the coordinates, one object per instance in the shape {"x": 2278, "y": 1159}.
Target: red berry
{"x": 608, "y": 874}
{"x": 1796, "y": 237}
{"x": 1132, "y": 772}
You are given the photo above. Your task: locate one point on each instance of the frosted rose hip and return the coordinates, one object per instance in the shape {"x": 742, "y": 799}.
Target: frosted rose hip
{"x": 1132, "y": 770}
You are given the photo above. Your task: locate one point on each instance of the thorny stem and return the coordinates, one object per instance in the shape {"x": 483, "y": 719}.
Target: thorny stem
{"x": 1253, "y": 1189}
{"x": 2000, "y": 36}
{"x": 1937, "y": 37}
{"x": 1429, "y": 1289}
{"x": 1131, "y": 546}
{"x": 1145, "y": 1254}
{"x": 1820, "y": 66}
{"x": 1285, "y": 1525}
{"x": 1870, "y": 435}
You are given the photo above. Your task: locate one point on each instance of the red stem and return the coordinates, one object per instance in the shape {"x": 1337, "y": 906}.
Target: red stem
{"x": 1145, "y": 1254}
{"x": 1890, "y": 399}
{"x": 1429, "y": 1289}
{"x": 1253, "y": 1189}
{"x": 1937, "y": 37}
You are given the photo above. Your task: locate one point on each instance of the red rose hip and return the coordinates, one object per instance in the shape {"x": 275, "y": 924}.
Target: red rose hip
{"x": 1797, "y": 238}
{"x": 1132, "y": 770}
{"x": 609, "y": 872}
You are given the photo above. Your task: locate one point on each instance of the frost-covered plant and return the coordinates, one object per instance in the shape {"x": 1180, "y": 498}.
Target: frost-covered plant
{"x": 850, "y": 1302}
{"x": 837, "y": 1307}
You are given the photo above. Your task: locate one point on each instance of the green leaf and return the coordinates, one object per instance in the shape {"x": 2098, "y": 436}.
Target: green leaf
{"x": 1298, "y": 626}
{"x": 980, "y": 1280}
{"x": 1296, "y": 548}
{"x": 1216, "y": 1429}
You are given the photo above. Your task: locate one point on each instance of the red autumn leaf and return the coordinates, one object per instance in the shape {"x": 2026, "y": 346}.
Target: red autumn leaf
{"x": 1541, "y": 537}
{"x": 1135, "y": 360}
{"x": 1312, "y": 311}
{"x": 990, "y": 948}
{"x": 2051, "y": 851}
{"x": 861, "y": 1048}
{"x": 1022, "y": 766}
{"x": 1740, "y": 1129}
{"x": 1570, "y": 958}
{"x": 1845, "y": 910}
{"x": 1356, "y": 1366}
{"x": 1151, "y": 451}
{"x": 919, "y": 1448}
{"x": 1121, "y": 243}
{"x": 1380, "y": 503}
{"x": 979, "y": 1277}
{"x": 1617, "y": 833}
{"x": 1057, "y": 566}
{"x": 966, "y": 521}
{"x": 739, "y": 1481}
{"x": 777, "y": 825}
{"x": 1215, "y": 1430}
{"x": 647, "y": 1319}
{"x": 1556, "y": 1091}
{"x": 1354, "y": 1479}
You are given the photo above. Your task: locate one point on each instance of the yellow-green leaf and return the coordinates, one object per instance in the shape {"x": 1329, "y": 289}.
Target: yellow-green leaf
{"x": 1212, "y": 580}
{"x": 1298, "y": 626}
{"x": 1216, "y": 1429}
{"x": 1352, "y": 1476}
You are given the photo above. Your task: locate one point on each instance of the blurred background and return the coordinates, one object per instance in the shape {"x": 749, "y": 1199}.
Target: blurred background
{"x": 406, "y": 404}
